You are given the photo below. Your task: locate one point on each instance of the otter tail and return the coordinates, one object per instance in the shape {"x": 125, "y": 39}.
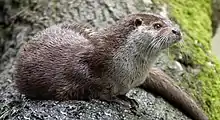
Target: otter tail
{"x": 161, "y": 84}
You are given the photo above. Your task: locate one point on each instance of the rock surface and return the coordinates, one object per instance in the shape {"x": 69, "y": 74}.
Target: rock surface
{"x": 22, "y": 19}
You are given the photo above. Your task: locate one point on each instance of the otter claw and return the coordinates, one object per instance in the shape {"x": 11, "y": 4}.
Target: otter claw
{"x": 132, "y": 102}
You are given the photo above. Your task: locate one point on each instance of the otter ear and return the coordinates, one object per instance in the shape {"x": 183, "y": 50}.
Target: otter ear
{"x": 138, "y": 22}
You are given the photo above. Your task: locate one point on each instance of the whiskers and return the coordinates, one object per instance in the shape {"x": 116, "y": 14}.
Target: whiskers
{"x": 157, "y": 43}
{"x": 169, "y": 42}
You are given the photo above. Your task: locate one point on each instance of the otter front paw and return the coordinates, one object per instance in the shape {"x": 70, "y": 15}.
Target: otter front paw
{"x": 132, "y": 103}
{"x": 122, "y": 100}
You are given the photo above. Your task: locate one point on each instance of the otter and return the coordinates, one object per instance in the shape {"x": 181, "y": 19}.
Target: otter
{"x": 75, "y": 62}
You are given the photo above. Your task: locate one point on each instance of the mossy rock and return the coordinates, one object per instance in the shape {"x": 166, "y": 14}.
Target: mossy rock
{"x": 194, "y": 17}
{"x": 32, "y": 16}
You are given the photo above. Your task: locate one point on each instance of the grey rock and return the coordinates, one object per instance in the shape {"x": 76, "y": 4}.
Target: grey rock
{"x": 22, "y": 19}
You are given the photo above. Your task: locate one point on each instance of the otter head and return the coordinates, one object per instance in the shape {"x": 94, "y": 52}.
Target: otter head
{"x": 152, "y": 33}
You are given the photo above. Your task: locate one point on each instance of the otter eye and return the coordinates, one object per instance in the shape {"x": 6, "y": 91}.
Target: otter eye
{"x": 157, "y": 26}
{"x": 138, "y": 22}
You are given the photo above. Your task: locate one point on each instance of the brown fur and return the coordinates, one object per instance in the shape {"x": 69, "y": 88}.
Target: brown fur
{"x": 161, "y": 84}
{"x": 70, "y": 61}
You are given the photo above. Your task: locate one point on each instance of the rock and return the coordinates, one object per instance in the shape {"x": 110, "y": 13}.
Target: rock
{"x": 23, "y": 19}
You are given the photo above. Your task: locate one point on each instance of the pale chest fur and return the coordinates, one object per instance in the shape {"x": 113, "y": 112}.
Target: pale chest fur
{"x": 129, "y": 71}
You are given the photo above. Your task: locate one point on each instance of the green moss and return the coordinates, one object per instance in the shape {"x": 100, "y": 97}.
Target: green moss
{"x": 194, "y": 16}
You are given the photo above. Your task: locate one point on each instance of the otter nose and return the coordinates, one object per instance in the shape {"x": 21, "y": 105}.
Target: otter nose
{"x": 176, "y": 32}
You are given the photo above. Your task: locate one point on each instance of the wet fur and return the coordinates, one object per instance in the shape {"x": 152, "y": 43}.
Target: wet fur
{"x": 71, "y": 61}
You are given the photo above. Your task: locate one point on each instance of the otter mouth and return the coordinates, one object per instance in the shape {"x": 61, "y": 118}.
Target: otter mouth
{"x": 174, "y": 37}
{"x": 167, "y": 41}
{"x": 169, "y": 36}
